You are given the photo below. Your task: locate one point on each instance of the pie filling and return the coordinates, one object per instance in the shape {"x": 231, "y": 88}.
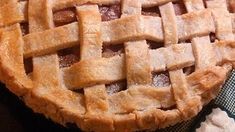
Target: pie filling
{"x": 116, "y": 87}
{"x": 212, "y": 37}
{"x": 154, "y": 45}
{"x": 28, "y": 65}
{"x": 112, "y": 50}
{"x": 188, "y": 70}
{"x": 65, "y": 16}
{"x": 161, "y": 79}
{"x": 151, "y": 11}
{"x": 110, "y": 12}
{"x": 69, "y": 56}
{"x": 24, "y": 28}
{"x": 179, "y": 8}
{"x": 232, "y": 6}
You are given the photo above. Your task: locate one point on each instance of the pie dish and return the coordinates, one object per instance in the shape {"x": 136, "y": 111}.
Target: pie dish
{"x": 116, "y": 65}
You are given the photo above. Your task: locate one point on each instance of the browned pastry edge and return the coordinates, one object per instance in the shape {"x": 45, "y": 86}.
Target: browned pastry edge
{"x": 64, "y": 106}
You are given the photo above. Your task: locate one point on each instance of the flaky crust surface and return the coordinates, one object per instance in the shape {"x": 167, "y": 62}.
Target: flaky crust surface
{"x": 141, "y": 106}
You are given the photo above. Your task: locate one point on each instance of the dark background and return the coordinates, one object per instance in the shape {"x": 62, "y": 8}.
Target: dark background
{"x": 16, "y": 117}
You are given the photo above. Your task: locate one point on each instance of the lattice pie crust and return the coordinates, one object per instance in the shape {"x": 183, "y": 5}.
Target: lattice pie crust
{"x": 78, "y": 93}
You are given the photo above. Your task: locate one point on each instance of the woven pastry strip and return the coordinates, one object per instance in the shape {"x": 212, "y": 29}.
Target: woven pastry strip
{"x": 48, "y": 89}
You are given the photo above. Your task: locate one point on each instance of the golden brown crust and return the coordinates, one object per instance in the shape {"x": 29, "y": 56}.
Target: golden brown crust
{"x": 141, "y": 106}
{"x": 11, "y": 61}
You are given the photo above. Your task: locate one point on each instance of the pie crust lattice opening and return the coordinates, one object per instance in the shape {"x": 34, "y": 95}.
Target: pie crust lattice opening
{"x": 161, "y": 79}
{"x": 179, "y": 8}
{"x": 151, "y": 11}
{"x": 28, "y": 65}
{"x": 69, "y": 56}
{"x": 64, "y": 16}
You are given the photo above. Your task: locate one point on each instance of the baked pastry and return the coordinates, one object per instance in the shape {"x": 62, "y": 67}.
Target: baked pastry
{"x": 116, "y": 65}
{"x": 219, "y": 121}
